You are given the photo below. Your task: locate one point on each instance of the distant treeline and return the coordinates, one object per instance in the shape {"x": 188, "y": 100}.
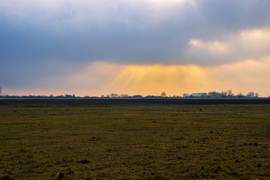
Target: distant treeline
{"x": 223, "y": 94}
{"x": 212, "y": 94}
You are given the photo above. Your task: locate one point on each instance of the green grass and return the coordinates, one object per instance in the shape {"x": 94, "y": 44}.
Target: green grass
{"x": 135, "y": 142}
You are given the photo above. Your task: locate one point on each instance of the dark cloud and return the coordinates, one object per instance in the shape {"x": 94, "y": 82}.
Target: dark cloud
{"x": 121, "y": 33}
{"x": 163, "y": 42}
{"x": 233, "y": 15}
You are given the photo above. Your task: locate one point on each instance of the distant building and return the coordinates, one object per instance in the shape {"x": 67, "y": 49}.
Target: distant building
{"x": 252, "y": 95}
{"x": 185, "y": 95}
{"x": 198, "y": 94}
{"x": 214, "y": 94}
{"x": 0, "y": 90}
{"x": 137, "y": 96}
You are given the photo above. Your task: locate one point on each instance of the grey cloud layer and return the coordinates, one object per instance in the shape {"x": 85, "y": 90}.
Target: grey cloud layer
{"x": 125, "y": 32}
{"x": 129, "y": 32}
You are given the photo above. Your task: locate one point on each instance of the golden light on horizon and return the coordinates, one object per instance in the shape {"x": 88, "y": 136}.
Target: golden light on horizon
{"x": 101, "y": 78}
{"x": 243, "y": 76}
{"x": 153, "y": 79}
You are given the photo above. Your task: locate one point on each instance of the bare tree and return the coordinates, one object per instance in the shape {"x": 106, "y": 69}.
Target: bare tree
{"x": 240, "y": 94}
{"x": 163, "y": 94}
{"x": 123, "y": 95}
{"x": 229, "y": 93}
{"x": 114, "y": 95}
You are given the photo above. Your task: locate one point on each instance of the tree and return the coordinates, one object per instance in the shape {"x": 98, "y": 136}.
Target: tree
{"x": 229, "y": 93}
{"x": 240, "y": 95}
{"x": 163, "y": 94}
{"x": 223, "y": 93}
{"x": 113, "y": 95}
{"x": 214, "y": 94}
{"x": 251, "y": 94}
{"x": 123, "y": 95}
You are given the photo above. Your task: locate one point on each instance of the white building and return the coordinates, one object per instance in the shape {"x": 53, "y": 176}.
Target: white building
{"x": 198, "y": 94}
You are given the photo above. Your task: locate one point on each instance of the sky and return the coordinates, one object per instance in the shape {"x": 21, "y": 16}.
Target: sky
{"x": 98, "y": 47}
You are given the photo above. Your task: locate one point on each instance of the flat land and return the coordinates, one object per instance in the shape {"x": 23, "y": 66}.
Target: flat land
{"x": 76, "y": 139}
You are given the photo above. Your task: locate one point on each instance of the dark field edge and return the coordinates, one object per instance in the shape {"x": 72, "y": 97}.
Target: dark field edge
{"x": 128, "y": 102}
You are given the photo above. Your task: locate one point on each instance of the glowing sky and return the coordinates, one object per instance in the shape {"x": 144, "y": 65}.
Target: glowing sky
{"x": 95, "y": 47}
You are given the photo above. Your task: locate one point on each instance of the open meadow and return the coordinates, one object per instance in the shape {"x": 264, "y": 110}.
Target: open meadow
{"x": 134, "y": 141}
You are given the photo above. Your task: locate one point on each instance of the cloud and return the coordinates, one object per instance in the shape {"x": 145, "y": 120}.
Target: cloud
{"x": 254, "y": 42}
{"x": 212, "y": 47}
{"x": 58, "y": 38}
{"x": 248, "y": 43}
{"x": 152, "y": 31}
{"x": 88, "y": 13}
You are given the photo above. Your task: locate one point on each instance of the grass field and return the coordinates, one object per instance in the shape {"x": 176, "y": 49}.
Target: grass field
{"x": 135, "y": 142}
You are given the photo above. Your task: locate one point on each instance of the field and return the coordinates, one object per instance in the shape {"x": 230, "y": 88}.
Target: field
{"x": 69, "y": 139}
